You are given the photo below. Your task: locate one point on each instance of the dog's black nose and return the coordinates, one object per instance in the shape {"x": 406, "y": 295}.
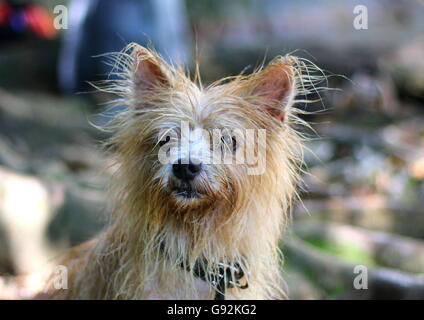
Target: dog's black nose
{"x": 186, "y": 171}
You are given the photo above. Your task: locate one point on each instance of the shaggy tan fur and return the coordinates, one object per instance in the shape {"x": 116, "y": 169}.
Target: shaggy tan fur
{"x": 239, "y": 219}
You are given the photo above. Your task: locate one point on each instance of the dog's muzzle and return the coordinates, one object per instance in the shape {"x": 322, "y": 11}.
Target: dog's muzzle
{"x": 184, "y": 174}
{"x": 186, "y": 191}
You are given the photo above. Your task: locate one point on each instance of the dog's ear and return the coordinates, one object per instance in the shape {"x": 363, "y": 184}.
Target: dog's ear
{"x": 275, "y": 84}
{"x": 148, "y": 72}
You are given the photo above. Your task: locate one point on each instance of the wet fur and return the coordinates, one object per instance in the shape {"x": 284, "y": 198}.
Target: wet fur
{"x": 240, "y": 219}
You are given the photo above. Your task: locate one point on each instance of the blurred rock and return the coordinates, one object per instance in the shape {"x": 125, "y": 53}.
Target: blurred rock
{"x": 26, "y": 209}
{"x": 406, "y": 66}
{"x": 336, "y": 276}
{"x": 385, "y": 249}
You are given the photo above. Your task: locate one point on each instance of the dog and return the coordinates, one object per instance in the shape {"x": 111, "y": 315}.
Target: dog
{"x": 193, "y": 216}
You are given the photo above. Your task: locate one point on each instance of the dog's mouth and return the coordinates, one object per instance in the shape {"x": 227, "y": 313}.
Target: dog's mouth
{"x": 186, "y": 192}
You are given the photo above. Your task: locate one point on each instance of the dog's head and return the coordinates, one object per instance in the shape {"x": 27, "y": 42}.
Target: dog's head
{"x": 195, "y": 149}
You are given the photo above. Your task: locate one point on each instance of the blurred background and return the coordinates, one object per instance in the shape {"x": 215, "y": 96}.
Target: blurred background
{"x": 363, "y": 199}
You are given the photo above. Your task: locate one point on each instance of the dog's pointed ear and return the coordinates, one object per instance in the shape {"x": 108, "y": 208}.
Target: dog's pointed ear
{"x": 275, "y": 84}
{"x": 148, "y": 72}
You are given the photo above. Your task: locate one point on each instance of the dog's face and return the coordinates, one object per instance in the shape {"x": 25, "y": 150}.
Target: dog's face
{"x": 190, "y": 147}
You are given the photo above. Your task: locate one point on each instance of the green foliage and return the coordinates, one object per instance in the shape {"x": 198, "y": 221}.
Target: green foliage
{"x": 347, "y": 251}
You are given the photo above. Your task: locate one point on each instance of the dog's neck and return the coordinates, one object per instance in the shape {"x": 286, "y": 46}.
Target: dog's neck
{"x": 248, "y": 239}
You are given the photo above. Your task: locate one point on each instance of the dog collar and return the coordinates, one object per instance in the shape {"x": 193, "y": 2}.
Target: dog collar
{"x": 227, "y": 276}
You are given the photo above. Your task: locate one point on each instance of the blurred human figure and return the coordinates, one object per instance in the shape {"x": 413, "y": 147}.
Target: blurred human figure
{"x": 97, "y": 27}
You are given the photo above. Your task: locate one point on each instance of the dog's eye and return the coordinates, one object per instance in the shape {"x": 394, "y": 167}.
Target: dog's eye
{"x": 163, "y": 142}
{"x": 234, "y": 143}
{"x": 230, "y": 142}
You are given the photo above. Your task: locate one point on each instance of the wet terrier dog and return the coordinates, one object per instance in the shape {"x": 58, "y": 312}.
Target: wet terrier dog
{"x": 204, "y": 183}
